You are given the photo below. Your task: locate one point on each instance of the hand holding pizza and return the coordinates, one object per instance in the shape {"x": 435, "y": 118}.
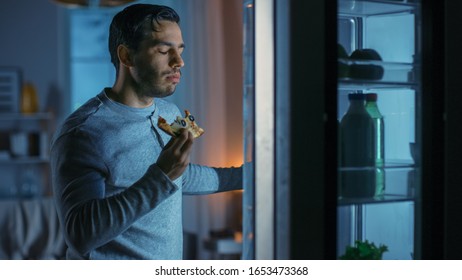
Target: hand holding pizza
{"x": 175, "y": 156}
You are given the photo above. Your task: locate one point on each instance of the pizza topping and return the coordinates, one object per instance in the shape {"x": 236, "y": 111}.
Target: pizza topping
{"x": 187, "y": 122}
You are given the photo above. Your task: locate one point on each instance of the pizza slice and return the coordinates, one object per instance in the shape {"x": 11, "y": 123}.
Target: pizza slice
{"x": 187, "y": 122}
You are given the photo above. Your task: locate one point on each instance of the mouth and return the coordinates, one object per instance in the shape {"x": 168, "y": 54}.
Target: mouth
{"x": 174, "y": 78}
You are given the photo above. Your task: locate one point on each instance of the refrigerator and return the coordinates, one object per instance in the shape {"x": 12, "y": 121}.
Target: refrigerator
{"x": 305, "y": 63}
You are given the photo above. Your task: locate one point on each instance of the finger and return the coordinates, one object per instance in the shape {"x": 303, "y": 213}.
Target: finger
{"x": 169, "y": 143}
{"x": 183, "y": 133}
{"x": 177, "y": 141}
{"x": 187, "y": 146}
{"x": 188, "y": 136}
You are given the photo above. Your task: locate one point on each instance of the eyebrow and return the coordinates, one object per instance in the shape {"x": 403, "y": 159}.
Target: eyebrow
{"x": 165, "y": 43}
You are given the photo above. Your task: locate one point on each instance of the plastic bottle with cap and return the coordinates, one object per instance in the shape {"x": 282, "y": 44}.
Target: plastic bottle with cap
{"x": 357, "y": 158}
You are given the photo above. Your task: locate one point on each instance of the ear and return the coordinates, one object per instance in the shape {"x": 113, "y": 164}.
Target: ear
{"x": 124, "y": 56}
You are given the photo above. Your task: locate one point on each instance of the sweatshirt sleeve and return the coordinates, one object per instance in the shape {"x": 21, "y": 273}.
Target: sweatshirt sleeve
{"x": 89, "y": 218}
{"x": 200, "y": 179}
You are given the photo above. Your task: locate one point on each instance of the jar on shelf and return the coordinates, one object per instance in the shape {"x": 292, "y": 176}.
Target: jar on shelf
{"x": 29, "y": 99}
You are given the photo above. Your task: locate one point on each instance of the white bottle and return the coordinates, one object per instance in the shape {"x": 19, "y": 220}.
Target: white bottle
{"x": 357, "y": 159}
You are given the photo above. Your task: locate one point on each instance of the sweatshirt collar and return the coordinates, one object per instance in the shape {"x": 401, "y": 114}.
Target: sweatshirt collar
{"x": 125, "y": 110}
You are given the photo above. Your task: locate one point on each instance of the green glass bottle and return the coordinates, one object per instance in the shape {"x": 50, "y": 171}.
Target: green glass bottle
{"x": 379, "y": 142}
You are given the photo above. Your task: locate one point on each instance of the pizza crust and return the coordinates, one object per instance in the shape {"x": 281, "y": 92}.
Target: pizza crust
{"x": 187, "y": 122}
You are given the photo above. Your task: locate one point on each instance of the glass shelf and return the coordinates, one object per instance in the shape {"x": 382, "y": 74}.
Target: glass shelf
{"x": 400, "y": 183}
{"x": 353, "y": 85}
{"x": 377, "y": 73}
{"x": 387, "y": 198}
{"x": 362, "y": 8}
{"x": 389, "y": 165}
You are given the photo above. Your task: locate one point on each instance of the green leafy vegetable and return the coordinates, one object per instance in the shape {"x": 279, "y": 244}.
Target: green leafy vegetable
{"x": 363, "y": 250}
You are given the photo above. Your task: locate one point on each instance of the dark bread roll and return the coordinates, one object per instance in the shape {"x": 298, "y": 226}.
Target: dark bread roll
{"x": 365, "y": 54}
{"x": 366, "y": 71}
{"x": 342, "y": 66}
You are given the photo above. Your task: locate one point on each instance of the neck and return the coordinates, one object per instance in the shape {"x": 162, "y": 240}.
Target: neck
{"x": 128, "y": 96}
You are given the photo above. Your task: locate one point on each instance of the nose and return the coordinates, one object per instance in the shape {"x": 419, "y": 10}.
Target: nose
{"x": 176, "y": 61}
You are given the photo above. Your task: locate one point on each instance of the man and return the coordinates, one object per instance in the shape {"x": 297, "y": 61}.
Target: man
{"x": 116, "y": 185}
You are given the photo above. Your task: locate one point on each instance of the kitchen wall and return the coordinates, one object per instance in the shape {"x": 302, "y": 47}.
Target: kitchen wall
{"x": 29, "y": 39}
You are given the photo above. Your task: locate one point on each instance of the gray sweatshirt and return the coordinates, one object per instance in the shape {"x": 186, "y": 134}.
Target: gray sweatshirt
{"x": 113, "y": 201}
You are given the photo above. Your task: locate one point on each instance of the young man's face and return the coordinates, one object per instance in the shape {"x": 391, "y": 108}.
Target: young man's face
{"x": 157, "y": 62}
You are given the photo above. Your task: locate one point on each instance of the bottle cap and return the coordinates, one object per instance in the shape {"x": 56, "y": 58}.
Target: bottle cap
{"x": 356, "y": 96}
{"x": 371, "y": 96}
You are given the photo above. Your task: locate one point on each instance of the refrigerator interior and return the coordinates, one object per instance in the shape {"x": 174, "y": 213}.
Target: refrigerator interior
{"x": 392, "y": 29}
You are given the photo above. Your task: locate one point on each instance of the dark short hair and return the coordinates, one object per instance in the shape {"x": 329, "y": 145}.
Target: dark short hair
{"x": 127, "y": 26}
